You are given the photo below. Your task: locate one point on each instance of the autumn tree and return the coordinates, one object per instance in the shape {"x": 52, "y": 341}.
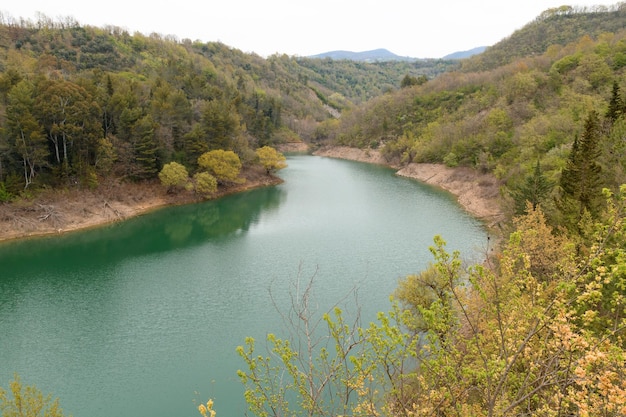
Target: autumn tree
{"x": 225, "y": 166}
{"x": 271, "y": 159}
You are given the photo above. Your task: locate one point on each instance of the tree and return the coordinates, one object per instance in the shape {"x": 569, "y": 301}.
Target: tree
{"x": 409, "y": 81}
{"x": 220, "y": 123}
{"x": 534, "y": 190}
{"x": 271, "y": 159}
{"x": 206, "y": 184}
{"x": 27, "y": 401}
{"x": 144, "y": 148}
{"x": 533, "y": 331}
{"x": 581, "y": 180}
{"x": 71, "y": 119}
{"x": 345, "y": 370}
{"x": 616, "y": 104}
{"x": 173, "y": 176}
{"x": 25, "y": 131}
{"x": 225, "y": 166}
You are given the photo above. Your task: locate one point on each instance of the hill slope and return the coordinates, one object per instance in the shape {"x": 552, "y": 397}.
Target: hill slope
{"x": 505, "y": 119}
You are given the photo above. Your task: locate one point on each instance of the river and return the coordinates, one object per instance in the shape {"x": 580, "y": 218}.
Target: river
{"x": 142, "y": 318}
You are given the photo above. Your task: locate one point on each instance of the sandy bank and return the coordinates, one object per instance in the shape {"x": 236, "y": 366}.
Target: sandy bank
{"x": 477, "y": 193}
{"x": 65, "y": 211}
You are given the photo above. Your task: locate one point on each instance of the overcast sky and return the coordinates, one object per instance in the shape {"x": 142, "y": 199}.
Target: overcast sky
{"x": 422, "y": 29}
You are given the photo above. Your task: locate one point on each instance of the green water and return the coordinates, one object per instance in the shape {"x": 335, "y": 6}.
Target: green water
{"x": 143, "y": 317}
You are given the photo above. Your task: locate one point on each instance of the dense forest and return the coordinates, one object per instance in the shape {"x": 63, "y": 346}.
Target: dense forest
{"x": 79, "y": 103}
{"x": 536, "y": 329}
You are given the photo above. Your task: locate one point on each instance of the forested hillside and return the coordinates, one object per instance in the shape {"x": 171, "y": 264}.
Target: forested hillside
{"x": 538, "y": 327}
{"x": 522, "y": 120}
{"x": 80, "y": 103}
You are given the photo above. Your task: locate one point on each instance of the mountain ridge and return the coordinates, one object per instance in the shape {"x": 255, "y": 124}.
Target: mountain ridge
{"x": 382, "y": 54}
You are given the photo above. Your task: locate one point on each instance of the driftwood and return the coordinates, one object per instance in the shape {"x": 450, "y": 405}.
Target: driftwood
{"x": 50, "y": 213}
{"x": 117, "y": 213}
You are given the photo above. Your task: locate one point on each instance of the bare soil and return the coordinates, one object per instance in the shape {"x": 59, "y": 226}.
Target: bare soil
{"x": 60, "y": 211}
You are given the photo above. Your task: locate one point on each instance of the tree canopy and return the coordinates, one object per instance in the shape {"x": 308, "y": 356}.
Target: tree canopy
{"x": 271, "y": 159}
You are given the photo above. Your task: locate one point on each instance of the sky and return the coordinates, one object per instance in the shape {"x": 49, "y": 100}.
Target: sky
{"x": 419, "y": 29}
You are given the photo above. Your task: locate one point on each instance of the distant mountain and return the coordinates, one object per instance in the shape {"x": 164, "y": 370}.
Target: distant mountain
{"x": 466, "y": 54}
{"x": 375, "y": 55}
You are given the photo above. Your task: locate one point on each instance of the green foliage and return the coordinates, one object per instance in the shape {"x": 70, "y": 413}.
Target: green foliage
{"x": 134, "y": 102}
{"x": 225, "y": 166}
{"x": 271, "y": 159}
{"x": 24, "y": 130}
{"x": 5, "y": 195}
{"x": 361, "y": 81}
{"x": 205, "y": 184}
{"x": 553, "y": 27}
{"x": 174, "y": 175}
{"x": 534, "y": 190}
{"x": 409, "y": 81}
{"x": 600, "y": 289}
{"x": 533, "y": 331}
{"x": 27, "y": 401}
{"x": 334, "y": 374}
{"x": 581, "y": 180}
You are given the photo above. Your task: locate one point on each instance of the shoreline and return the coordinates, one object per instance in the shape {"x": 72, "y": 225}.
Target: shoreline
{"x": 65, "y": 211}
{"x": 477, "y": 193}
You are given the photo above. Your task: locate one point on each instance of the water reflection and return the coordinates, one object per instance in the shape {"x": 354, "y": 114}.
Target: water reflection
{"x": 172, "y": 228}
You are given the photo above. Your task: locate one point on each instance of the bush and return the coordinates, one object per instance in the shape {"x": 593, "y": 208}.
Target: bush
{"x": 225, "y": 166}
{"x": 206, "y": 184}
{"x": 5, "y": 196}
{"x": 174, "y": 175}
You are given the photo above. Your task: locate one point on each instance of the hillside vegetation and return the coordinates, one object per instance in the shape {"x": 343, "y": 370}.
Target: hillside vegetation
{"x": 80, "y": 103}
{"x": 509, "y": 118}
{"x": 536, "y": 329}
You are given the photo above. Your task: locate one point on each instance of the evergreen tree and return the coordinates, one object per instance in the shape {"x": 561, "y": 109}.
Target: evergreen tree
{"x": 535, "y": 189}
{"x": 581, "y": 180}
{"x": 616, "y": 104}
{"x": 145, "y": 148}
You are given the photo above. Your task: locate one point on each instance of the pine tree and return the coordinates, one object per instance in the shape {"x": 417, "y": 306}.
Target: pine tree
{"x": 616, "y": 104}
{"x": 535, "y": 189}
{"x": 581, "y": 180}
{"x": 145, "y": 148}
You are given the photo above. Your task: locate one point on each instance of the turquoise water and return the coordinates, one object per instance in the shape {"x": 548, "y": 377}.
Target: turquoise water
{"x": 142, "y": 318}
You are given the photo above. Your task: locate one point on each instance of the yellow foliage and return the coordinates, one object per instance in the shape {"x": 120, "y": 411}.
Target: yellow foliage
{"x": 207, "y": 409}
{"x": 225, "y": 166}
{"x": 271, "y": 159}
{"x": 27, "y": 401}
